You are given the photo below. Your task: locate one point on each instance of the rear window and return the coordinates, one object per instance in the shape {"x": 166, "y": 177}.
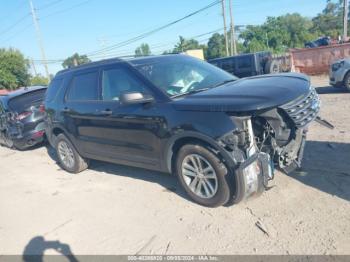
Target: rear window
{"x": 84, "y": 87}
{"x": 23, "y": 102}
{"x": 53, "y": 89}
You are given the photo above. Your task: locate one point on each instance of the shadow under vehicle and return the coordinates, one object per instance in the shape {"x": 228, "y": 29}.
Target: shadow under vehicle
{"x": 22, "y": 117}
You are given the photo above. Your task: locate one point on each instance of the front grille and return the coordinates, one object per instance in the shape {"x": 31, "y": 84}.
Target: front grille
{"x": 303, "y": 110}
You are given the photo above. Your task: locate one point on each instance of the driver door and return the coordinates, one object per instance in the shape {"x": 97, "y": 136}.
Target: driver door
{"x": 127, "y": 134}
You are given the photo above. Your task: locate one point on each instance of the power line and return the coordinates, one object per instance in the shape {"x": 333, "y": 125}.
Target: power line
{"x": 66, "y": 9}
{"x": 127, "y": 52}
{"x": 49, "y": 5}
{"x": 157, "y": 46}
{"x": 14, "y": 24}
{"x": 134, "y": 39}
{"x": 17, "y": 33}
{"x": 17, "y": 8}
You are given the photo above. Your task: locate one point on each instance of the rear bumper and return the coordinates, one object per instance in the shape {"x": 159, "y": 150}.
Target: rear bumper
{"x": 29, "y": 139}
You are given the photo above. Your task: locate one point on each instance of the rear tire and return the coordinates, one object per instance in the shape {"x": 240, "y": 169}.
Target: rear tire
{"x": 68, "y": 157}
{"x": 272, "y": 67}
{"x": 202, "y": 174}
{"x": 347, "y": 81}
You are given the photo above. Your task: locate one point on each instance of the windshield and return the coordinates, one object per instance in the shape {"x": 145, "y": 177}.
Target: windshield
{"x": 180, "y": 74}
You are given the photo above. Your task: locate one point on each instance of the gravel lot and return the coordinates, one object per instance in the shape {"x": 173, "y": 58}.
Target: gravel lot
{"x": 111, "y": 209}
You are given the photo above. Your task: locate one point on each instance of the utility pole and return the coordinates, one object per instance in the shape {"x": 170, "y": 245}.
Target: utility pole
{"x": 225, "y": 28}
{"x": 345, "y": 21}
{"x": 233, "y": 38}
{"x": 33, "y": 66}
{"x": 39, "y": 38}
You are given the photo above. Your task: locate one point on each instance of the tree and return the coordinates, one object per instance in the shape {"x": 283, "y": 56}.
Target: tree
{"x": 75, "y": 60}
{"x": 216, "y": 46}
{"x": 13, "y": 69}
{"x": 39, "y": 80}
{"x": 278, "y": 33}
{"x": 187, "y": 44}
{"x": 330, "y": 21}
{"x": 143, "y": 50}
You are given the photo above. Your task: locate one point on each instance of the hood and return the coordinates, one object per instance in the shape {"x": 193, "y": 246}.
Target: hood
{"x": 248, "y": 94}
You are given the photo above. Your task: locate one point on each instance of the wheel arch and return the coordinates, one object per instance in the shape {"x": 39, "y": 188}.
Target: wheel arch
{"x": 174, "y": 145}
{"x": 54, "y": 132}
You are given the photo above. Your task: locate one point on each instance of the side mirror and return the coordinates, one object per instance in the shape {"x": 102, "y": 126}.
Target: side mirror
{"x": 135, "y": 98}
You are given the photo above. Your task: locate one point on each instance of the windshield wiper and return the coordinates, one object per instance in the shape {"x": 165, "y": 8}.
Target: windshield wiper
{"x": 224, "y": 82}
{"x": 203, "y": 89}
{"x": 190, "y": 92}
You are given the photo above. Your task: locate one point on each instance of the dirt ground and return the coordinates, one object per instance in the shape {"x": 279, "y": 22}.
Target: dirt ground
{"x": 111, "y": 209}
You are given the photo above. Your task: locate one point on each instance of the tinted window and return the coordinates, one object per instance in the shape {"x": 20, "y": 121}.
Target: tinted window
{"x": 53, "y": 89}
{"x": 84, "y": 87}
{"x": 117, "y": 81}
{"x": 23, "y": 103}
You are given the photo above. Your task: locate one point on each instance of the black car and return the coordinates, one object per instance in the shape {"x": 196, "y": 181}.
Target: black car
{"x": 322, "y": 41}
{"x": 244, "y": 65}
{"x": 220, "y": 135}
{"x": 22, "y": 117}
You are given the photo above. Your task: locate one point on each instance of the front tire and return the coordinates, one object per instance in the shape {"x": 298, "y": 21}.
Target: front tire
{"x": 202, "y": 175}
{"x": 68, "y": 157}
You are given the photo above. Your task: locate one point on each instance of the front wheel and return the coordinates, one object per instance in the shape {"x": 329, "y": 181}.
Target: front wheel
{"x": 202, "y": 175}
{"x": 68, "y": 157}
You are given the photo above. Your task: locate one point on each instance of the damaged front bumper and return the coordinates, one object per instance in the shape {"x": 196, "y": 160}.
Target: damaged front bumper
{"x": 253, "y": 176}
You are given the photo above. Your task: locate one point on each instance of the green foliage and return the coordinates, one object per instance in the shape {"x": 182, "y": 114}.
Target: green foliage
{"x": 143, "y": 50}
{"x": 187, "y": 44}
{"x": 74, "y": 60}
{"x": 216, "y": 46}
{"x": 13, "y": 69}
{"x": 330, "y": 21}
{"x": 278, "y": 33}
{"x": 39, "y": 80}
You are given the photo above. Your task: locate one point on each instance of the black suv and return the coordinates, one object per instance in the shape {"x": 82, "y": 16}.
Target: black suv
{"x": 220, "y": 135}
{"x": 22, "y": 117}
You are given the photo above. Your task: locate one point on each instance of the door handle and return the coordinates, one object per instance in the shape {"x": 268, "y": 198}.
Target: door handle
{"x": 106, "y": 112}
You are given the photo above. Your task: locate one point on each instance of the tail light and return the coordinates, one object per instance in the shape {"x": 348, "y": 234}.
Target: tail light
{"x": 42, "y": 109}
{"x": 23, "y": 115}
{"x": 38, "y": 134}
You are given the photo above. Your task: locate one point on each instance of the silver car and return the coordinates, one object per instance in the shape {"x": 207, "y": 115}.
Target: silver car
{"x": 339, "y": 74}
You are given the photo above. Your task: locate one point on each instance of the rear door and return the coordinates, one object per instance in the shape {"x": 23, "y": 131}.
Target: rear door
{"x": 81, "y": 108}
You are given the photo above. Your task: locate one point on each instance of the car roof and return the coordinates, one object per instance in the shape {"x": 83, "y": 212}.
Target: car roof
{"x": 90, "y": 65}
{"x": 19, "y": 92}
{"x": 112, "y": 61}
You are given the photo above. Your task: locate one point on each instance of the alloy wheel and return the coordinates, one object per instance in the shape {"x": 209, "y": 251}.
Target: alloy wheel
{"x": 199, "y": 176}
{"x": 66, "y": 154}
